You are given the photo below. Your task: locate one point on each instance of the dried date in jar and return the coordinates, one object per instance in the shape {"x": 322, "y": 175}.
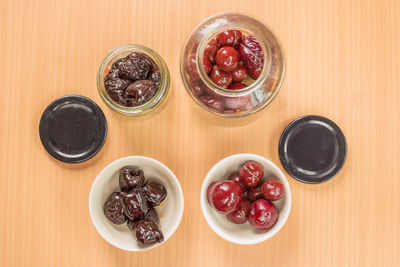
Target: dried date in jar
{"x": 140, "y": 92}
{"x": 121, "y": 68}
{"x": 135, "y": 67}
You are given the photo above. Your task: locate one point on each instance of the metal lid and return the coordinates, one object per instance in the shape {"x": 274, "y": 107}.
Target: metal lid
{"x": 312, "y": 149}
{"x": 73, "y": 128}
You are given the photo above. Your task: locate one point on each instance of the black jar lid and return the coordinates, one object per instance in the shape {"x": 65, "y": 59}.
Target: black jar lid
{"x": 73, "y": 128}
{"x": 312, "y": 149}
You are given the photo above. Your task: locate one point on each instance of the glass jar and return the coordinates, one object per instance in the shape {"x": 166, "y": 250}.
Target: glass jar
{"x": 226, "y": 102}
{"x": 154, "y": 102}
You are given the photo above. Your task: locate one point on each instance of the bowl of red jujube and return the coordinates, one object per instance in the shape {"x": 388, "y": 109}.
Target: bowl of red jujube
{"x": 245, "y": 199}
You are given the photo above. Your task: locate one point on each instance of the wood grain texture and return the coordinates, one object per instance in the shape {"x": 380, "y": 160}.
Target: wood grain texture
{"x": 342, "y": 62}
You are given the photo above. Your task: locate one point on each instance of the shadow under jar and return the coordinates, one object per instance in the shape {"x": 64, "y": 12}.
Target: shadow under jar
{"x": 240, "y": 101}
{"x": 138, "y": 109}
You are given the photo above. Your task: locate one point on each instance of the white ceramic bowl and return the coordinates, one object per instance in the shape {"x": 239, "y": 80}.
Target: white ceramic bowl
{"x": 106, "y": 182}
{"x": 243, "y": 234}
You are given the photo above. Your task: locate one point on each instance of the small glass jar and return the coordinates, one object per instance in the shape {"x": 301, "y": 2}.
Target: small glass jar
{"x": 232, "y": 103}
{"x": 154, "y": 102}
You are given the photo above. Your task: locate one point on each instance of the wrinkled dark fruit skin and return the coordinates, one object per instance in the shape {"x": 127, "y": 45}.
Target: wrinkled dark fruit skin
{"x": 156, "y": 77}
{"x": 130, "y": 177}
{"x": 153, "y": 215}
{"x": 153, "y": 65}
{"x": 140, "y": 92}
{"x": 134, "y": 203}
{"x": 115, "y": 86}
{"x": 125, "y": 72}
{"x": 147, "y": 232}
{"x": 135, "y": 67}
{"x": 113, "y": 209}
{"x": 252, "y": 56}
{"x": 117, "y": 63}
{"x": 113, "y": 73}
{"x": 155, "y": 192}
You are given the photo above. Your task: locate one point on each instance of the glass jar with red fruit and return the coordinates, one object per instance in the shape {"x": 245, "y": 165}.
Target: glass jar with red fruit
{"x": 232, "y": 65}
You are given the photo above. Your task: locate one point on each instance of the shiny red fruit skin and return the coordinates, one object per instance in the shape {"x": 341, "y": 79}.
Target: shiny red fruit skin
{"x": 227, "y": 58}
{"x": 210, "y": 191}
{"x": 240, "y": 215}
{"x": 251, "y": 173}
{"x": 263, "y": 214}
{"x": 236, "y": 177}
{"x": 229, "y": 38}
{"x": 211, "y": 49}
{"x": 220, "y": 77}
{"x": 252, "y": 56}
{"x": 255, "y": 72}
{"x": 237, "y": 86}
{"x": 213, "y": 102}
{"x": 273, "y": 190}
{"x": 254, "y": 193}
{"x": 226, "y": 196}
{"x": 239, "y": 74}
{"x": 206, "y": 64}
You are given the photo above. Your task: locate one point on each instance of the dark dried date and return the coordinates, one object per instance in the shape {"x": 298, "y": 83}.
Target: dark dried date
{"x": 133, "y": 80}
{"x": 130, "y": 177}
{"x": 140, "y": 92}
{"x": 156, "y": 77}
{"x": 135, "y": 67}
{"x": 118, "y": 63}
{"x": 147, "y": 232}
{"x": 155, "y": 192}
{"x": 113, "y": 209}
{"x": 153, "y": 215}
{"x": 134, "y": 203}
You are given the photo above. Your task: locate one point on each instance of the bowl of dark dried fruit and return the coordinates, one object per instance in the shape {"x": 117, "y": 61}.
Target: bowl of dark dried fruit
{"x": 133, "y": 80}
{"x": 136, "y": 203}
{"x": 245, "y": 199}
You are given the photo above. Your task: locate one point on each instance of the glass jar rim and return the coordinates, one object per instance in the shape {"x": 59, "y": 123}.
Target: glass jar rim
{"x": 155, "y": 101}
{"x": 225, "y": 91}
{"x": 215, "y": 23}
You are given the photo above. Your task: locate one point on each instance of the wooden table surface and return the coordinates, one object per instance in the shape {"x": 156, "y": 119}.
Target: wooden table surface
{"x": 342, "y": 62}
